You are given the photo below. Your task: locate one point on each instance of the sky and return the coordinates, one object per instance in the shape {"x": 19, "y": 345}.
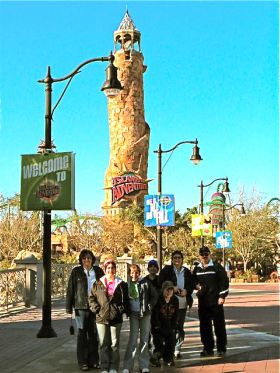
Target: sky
{"x": 212, "y": 74}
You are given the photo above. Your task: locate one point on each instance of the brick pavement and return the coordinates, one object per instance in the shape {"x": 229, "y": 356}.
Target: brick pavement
{"x": 20, "y": 351}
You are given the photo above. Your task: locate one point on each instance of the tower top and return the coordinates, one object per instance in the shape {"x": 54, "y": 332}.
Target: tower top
{"x": 127, "y": 23}
{"x": 127, "y": 34}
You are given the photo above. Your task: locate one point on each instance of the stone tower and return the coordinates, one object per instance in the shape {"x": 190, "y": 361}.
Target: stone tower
{"x": 129, "y": 133}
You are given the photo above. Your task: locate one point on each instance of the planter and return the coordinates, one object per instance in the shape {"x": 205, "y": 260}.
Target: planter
{"x": 239, "y": 280}
{"x": 255, "y": 278}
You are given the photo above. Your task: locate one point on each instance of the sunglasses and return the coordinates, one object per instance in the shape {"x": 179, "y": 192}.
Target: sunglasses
{"x": 204, "y": 254}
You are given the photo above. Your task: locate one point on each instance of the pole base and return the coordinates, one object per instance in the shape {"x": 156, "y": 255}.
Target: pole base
{"x": 46, "y": 332}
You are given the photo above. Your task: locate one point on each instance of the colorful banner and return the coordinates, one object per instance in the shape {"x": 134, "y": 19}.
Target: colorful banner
{"x": 202, "y": 225}
{"x": 159, "y": 210}
{"x": 127, "y": 186}
{"x": 47, "y": 181}
{"x": 224, "y": 240}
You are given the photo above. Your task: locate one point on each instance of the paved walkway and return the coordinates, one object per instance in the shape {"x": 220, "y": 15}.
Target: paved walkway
{"x": 20, "y": 351}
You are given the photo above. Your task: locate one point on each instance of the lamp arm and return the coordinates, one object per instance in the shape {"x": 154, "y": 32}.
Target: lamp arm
{"x": 111, "y": 58}
{"x": 237, "y": 204}
{"x": 50, "y": 80}
{"x": 212, "y": 182}
{"x": 176, "y": 146}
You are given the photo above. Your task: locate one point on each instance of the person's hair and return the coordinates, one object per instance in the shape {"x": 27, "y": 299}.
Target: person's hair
{"x": 134, "y": 266}
{"x": 177, "y": 252}
{"x": 84, "y": 253}
{"x": 109, "y": 261}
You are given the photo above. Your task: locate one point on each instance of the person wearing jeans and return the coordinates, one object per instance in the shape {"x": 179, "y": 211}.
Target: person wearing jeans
{"x": 109, "y": 301}
{"x": 142, "y": 297}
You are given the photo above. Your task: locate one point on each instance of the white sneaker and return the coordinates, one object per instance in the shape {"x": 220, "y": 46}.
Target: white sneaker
{"x": 145, "y": 370}
{"x": 104, "y": 371}
{"x": 113, "y": 371}
{"x": 125, "y": 371}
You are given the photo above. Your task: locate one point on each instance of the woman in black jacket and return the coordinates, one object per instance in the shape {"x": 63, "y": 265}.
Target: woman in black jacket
{"x": 109, "y": 301}
{"x": 80, "y": 282}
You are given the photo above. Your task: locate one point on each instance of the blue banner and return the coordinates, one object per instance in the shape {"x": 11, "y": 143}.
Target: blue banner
{"x": 159, "y": 210}
{"x": 224, "y": 240}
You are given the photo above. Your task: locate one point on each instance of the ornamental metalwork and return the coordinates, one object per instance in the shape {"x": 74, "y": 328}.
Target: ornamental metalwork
{"x": 12, "y": 288}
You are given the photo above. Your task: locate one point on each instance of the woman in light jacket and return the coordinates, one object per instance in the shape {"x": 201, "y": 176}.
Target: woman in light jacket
{"x": 109, "y": 301}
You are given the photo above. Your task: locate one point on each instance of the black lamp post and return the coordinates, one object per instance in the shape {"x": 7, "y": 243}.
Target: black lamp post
{"x": 111, "y": 88}
{"x": 195, "y": 158}
{"x": 225, "y": 190}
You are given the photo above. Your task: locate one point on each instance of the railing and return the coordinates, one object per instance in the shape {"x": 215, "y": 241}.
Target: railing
{"x": 60, "y": 276}
{"x": 22, "y": 287}
{"x": 12, "y": 288}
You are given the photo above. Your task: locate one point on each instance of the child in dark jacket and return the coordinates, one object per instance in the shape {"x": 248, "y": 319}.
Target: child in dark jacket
{"x": 164, "y": 325}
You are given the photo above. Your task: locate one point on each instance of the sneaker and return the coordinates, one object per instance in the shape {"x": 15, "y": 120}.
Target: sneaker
{"x": 207, "y": 353}
{"x": 178, "y": 355}
{"x": 125, "y": 371}
{"x": 145, "y": 370}
{"x": 104, "y": 371}
{"x": 169, "y": 363}
{"x": 113, "y": 371}
{"x": 221, "y": 352}
{"x": 154, "y": 362}
{"x": 84, "y": 367}
{"x": 94, "y": 366}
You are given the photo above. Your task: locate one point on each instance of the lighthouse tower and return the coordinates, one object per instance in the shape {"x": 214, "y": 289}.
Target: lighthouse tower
{"x": 129, "y": 133}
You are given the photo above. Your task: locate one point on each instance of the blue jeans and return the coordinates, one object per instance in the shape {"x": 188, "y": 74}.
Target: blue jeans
{"x": 109, "y": 339}
{"x": 180, "y": 335}
{"x": 87, "y": 339}
{"x": 143, "y": 325}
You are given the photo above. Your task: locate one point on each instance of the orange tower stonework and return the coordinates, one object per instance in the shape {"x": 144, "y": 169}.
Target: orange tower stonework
{"x": 129, "y": 133}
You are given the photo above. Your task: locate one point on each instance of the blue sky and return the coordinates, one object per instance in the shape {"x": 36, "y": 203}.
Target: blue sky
{"x": 212, "y": 74}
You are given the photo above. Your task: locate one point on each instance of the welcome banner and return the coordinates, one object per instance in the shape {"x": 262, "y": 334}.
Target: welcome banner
{"x": 47, "y": 181}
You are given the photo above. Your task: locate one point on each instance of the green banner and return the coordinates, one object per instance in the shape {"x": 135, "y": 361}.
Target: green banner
{"x": 47, "y": 181}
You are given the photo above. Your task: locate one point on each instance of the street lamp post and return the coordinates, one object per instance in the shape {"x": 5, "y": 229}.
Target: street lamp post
{"x": 195, "y": 158}
{"x": 111, "y": 88}
{"x": 225, "y": 190}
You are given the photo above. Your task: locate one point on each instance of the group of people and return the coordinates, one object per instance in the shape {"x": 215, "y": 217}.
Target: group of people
{"x": 156, "y": 305}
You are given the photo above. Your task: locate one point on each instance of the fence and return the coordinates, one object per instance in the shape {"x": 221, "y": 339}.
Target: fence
{"x": 22, "y": 287}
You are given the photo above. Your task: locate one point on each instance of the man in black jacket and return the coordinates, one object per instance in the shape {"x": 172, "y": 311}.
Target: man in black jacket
{"x": 80, "y": 282}
{"x": 181, "y": 277}
{"x": 212, "y": 283}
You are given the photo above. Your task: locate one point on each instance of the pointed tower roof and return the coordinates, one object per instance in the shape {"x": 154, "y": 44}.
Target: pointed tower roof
{"x": 127, "y": 34}
{"x": 127, "y": 23}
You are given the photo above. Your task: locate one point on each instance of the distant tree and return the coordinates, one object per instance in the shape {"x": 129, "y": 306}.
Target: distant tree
{"x": 18, "y": 230}
{"x": 254, "y": 235}
{"x": 117, "y": 235}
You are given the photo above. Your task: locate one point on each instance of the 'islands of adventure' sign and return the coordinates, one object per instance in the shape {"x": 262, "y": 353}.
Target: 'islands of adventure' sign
{"x": 127, "y": 185}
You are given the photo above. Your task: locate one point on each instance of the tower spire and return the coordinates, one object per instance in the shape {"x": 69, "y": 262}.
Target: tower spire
{"x": 127, "y": 34}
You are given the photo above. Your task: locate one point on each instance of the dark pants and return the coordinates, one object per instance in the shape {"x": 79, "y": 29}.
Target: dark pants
{"x": 207, "y": 314}
{"x": 87, "y": 340}
{"x": 164, "y": 345}
{"x": 180, "y": 335}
